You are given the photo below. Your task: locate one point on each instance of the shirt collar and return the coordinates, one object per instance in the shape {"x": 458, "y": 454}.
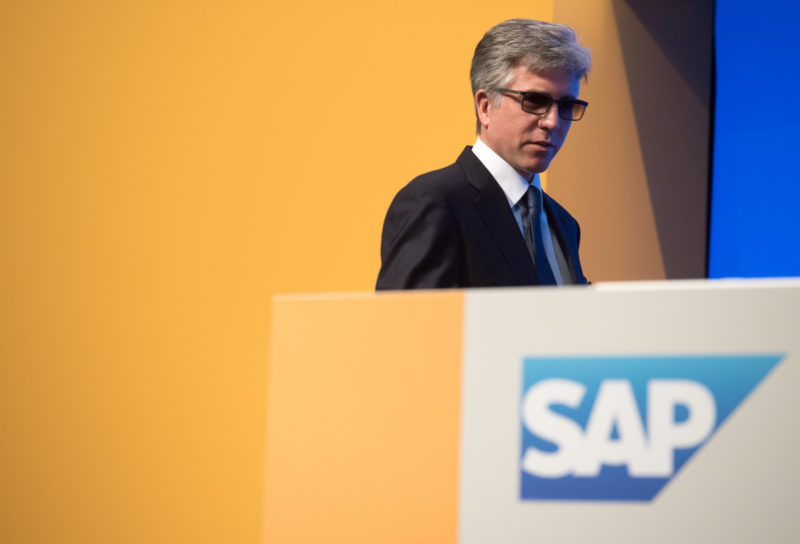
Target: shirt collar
{"x": 514, "y": 185}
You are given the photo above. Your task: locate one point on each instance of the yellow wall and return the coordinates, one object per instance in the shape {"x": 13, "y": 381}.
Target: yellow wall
{"x": 165, "y": 167}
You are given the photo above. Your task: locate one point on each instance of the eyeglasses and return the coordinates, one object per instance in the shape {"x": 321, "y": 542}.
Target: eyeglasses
{"x": 569, "y": 109}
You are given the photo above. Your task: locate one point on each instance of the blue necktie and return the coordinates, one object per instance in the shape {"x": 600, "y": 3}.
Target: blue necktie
{"x": 531, "y": 207}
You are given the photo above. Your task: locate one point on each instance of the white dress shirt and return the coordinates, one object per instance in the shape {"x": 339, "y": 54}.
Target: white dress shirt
{"x": 515, "y": 186}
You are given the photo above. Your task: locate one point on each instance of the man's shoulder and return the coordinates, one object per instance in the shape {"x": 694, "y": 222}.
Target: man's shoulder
{"x": 447, "y": 181}
{"x": 443, "y": 178}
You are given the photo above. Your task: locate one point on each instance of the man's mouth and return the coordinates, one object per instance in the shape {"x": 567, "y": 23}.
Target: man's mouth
{"x": 541, "y": 143}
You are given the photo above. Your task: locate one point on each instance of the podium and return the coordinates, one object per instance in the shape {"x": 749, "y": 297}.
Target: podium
{"x": 621, "y": 412}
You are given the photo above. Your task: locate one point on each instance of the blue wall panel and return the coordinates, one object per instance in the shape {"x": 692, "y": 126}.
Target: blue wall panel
{"x": 755, "y": 206}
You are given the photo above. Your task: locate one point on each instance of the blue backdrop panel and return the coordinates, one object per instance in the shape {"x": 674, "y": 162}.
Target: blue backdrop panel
{"x": 755, "y": 213}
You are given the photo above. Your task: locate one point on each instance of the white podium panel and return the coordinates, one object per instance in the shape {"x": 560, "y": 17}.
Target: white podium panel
{"x": 643, "y": 412}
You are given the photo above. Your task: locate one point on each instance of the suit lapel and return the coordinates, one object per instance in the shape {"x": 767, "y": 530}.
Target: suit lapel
{"x": 555, "y": 223}
{"x": 492, "y": 205}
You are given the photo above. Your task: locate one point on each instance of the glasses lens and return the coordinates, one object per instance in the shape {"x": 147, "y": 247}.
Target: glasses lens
{"x": 536, "y": 102}
{"x": 570, "y": 109}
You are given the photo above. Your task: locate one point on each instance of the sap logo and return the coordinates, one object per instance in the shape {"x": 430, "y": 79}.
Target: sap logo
{"x": 601, "y": 428}
{"x": 614, "y": 413}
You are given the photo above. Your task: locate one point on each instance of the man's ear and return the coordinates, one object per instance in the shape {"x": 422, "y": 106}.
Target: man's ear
{"x": 482, "y": 106}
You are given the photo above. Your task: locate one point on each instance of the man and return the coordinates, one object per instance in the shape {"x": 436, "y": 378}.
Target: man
{"x": 483, "y": 221}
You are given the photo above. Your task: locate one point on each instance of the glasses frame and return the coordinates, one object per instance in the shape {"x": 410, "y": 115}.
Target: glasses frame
{"x": 561, "y": 101}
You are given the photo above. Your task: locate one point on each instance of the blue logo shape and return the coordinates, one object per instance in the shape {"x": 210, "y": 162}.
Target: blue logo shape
{"x": 620, "y": 428}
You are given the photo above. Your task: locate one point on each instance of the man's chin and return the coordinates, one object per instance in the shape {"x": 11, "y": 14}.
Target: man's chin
{"x": 536, "y": 167}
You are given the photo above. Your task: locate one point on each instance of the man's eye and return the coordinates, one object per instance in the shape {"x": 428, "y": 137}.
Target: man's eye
{"x": 537, "y": 100}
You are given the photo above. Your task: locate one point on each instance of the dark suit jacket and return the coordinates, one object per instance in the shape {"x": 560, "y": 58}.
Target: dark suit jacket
{"x": 454, "y": 228}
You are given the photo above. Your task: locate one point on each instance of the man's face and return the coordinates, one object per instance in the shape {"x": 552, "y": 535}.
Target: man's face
{"x": 526, "y": 141}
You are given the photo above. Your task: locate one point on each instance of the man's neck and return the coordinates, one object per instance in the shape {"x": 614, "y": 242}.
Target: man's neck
{"x": 510, "y": 180}
{"x": 527, "y": 175}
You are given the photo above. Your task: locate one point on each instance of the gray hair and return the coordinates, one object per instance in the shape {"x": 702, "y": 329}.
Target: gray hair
{"x": 540, "y": 47}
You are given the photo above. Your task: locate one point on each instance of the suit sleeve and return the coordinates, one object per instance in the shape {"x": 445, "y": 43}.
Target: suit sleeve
{"x": 419, "y": 244}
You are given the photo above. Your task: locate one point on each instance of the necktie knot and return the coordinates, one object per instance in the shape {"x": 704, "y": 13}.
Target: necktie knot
{"x": 531, "y": 201}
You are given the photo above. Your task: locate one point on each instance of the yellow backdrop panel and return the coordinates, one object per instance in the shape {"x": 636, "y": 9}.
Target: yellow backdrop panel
{"x": 165, "y": 167}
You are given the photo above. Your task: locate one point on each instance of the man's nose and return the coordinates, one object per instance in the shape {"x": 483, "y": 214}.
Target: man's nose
{"x": 550, "y": 120}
